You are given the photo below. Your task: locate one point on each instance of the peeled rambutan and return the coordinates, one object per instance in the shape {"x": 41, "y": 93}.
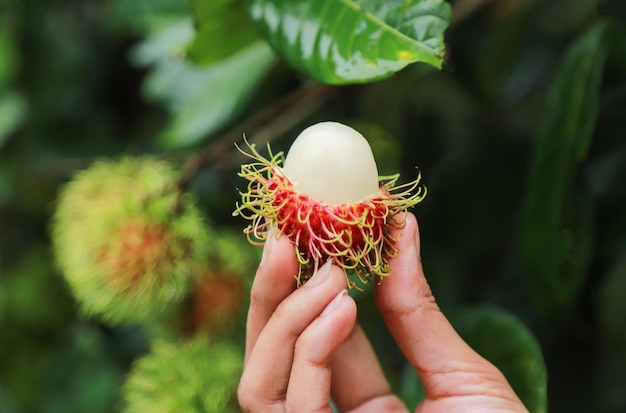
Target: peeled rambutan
{"x": 328, "y": 200}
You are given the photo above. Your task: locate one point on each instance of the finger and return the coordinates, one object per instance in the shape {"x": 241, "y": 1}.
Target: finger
{"x": 274, "y": 280}
{"x": 425, "y": 336}
{"x": 266, "y": 375}
{"x": 310, "y": 380}
{"x": 358, "y": 379}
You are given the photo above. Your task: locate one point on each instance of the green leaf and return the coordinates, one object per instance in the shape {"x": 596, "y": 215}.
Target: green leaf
{"x": 12, "y": 104}
{"x": 215, "y": 95}
{"x": 557, "y": 217}
{"x": 222, "y": 28}
{"x": 142, "y": 14}
{"x": 610, "y": 304}
{"x": 610, "y": 373}
{"x": 8, "y": 54}
{"x": 200, "y": 100}
{"x": 507, "y": 343}
{"x": 166, "y": 42}
{"x": 12, "y": 112}
{"x": 343, "y": 41}
{"x": 411, "y": 390}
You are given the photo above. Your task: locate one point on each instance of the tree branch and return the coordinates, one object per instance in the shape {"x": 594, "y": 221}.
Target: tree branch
{"x": 263, "y": 126}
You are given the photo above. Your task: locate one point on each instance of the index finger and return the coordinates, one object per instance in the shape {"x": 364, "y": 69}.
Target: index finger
{"x": 273, "y": 282}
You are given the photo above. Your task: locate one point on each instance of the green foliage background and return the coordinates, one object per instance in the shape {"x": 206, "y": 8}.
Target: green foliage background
{"x": 519, "y": 137}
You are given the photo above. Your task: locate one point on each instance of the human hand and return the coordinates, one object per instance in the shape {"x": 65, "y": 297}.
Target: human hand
{"x": 302, "y": 345}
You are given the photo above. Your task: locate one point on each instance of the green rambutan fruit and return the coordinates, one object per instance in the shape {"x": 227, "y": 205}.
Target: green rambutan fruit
{"x": 189, "y": 377}
{"x": 327, "y": 198}
{"x": 126, "y": 239}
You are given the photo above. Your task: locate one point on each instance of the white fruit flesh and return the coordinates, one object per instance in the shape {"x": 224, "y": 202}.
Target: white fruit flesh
{"x": 332, "y": 163}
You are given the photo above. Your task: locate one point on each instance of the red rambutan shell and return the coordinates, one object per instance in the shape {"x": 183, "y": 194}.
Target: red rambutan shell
{"x": 354, "y": 235}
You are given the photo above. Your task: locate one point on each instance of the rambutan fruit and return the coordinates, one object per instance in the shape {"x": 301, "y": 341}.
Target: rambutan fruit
{"x": 328, "y": 200}
{"x": 127, "y": 240}
{"x": 188, "y": 377}
{"x": 217, "y": 302}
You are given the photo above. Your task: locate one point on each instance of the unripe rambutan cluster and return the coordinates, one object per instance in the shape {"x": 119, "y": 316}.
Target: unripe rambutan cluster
{"x": 328, "y": 200}
{"x": 126, "y": 239}
{"x": 190, "y": 377}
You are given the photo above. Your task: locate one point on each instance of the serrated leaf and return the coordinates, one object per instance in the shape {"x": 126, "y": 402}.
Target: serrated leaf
{"x": 344, "y": 41}
{"x": 557, "y": 220}
{"x": 222, "y": 28}
{"x": 507, "y": 343}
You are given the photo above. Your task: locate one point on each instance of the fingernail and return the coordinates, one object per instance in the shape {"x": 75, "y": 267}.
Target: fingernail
{"x": 269, "y": 241}
{"x": 322, "y": 273}
{"x": 334, "y": 303}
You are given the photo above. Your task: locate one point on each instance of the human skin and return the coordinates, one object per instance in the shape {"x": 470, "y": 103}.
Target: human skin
{"x": 303, "y": 345}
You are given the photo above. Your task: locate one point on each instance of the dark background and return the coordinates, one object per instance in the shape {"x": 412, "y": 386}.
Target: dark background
{"x": 69, "y": 93}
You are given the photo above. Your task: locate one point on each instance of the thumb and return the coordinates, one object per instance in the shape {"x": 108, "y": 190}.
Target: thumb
{"x": 447, "y": 366}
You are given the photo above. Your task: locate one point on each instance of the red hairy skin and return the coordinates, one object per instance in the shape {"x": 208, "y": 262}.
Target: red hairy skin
{"x": 355, "y": 235}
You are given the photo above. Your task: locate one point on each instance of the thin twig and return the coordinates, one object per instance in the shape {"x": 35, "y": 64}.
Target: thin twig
{"x": 265, "y": 125}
